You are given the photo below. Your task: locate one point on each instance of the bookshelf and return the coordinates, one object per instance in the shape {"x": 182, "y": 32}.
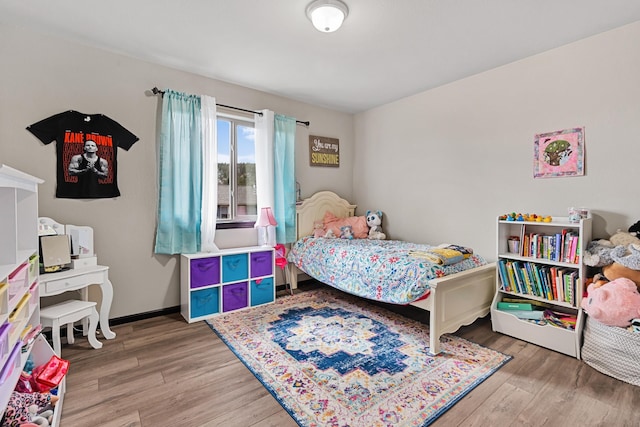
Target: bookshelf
{"x": 545, "y": 271}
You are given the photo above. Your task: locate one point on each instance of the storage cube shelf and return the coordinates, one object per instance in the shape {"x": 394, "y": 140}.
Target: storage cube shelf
{"x": 225, "y": 281}
{"x": 19, "y": 286}
{"x": 546, "y": 269}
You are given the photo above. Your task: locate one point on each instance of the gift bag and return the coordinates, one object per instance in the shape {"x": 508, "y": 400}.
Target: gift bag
{"x": 50, "y": 374}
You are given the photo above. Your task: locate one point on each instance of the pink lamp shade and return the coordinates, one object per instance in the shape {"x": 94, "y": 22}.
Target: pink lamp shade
{"x": 266, "y": 218}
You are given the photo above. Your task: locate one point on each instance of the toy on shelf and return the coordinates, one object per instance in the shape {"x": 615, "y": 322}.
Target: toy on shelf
{"x": 526, "y": 217}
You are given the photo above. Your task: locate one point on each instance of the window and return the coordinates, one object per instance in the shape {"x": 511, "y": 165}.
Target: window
{"x": 237, "y": 203}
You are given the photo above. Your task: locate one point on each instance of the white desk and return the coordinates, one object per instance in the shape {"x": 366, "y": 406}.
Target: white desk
{"x": 80, "y": 279}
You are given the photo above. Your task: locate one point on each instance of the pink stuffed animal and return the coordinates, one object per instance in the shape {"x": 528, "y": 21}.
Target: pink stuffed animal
{"x": 615, "y": 303}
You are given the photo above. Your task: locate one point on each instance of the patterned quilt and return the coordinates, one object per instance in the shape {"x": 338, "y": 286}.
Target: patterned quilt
{"x": 382, "y": 270}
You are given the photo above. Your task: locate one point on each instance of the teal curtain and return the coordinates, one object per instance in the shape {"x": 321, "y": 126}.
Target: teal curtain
{"x": 180, "y": 175}
{"x": 284, "y": 139}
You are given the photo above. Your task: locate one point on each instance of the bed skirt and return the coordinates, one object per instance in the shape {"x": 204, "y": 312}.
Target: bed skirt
{"x": 612, "y": 350}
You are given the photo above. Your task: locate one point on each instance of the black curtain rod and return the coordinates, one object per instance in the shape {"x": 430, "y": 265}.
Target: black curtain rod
{"x": 157, "y": 91}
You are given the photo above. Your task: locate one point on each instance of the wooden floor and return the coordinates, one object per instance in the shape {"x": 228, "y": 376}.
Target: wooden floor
{"x": 164, "y": 372}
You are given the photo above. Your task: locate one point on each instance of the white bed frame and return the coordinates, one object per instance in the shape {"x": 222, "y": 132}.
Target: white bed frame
{"x": 454, "y": 301}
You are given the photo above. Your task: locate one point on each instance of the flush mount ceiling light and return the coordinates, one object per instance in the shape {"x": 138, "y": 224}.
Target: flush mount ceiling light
{"x": 327, "y": 15}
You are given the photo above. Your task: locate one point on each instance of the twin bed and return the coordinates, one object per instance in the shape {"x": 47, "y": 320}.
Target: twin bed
{"x": 391, "y": 271}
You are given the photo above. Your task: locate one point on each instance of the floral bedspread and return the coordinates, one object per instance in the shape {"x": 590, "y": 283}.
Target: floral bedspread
{"x": 382, "y": 270}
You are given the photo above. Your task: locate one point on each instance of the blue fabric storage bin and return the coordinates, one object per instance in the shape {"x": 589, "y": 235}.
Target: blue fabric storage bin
{"x": 262, "y": 291}
{"x": 205, "y": 302}
{"x": 235, "y": 268}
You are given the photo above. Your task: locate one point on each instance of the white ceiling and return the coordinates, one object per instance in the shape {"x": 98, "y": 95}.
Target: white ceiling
{"x": 386, "y": 49}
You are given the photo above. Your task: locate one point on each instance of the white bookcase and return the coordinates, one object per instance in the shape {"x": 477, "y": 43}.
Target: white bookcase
{"x": 224, "y": 281}
{"x": 552, "y": 275}
{"x": 19, "y": 286}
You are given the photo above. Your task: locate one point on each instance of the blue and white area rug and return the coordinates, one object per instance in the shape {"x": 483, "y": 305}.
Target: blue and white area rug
{"x": 335, "y": 360}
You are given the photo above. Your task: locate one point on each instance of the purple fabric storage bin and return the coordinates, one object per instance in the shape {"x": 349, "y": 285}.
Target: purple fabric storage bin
{"x": 205, "y": 271}
{"x": 234, "y": 296}
{"x": 4, "y": 342}
{"x": 261, "y": 263}
{"x": 13, "y": 363}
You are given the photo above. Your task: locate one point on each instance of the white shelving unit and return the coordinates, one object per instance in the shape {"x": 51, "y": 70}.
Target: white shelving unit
{"x": 548, "y": 268}
{"x": 224, "y": 281}
{"x": 19, "y": 286}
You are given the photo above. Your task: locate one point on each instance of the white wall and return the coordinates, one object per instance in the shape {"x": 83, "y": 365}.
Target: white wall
{"x": 443, "y": 164}
{"x": 43, "y": 75}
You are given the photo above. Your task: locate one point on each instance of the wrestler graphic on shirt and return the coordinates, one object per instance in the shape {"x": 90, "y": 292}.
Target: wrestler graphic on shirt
{"x": 89, "y": 163}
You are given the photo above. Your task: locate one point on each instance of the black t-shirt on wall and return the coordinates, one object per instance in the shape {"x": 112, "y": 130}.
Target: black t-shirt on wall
{"x": 86, "y": 150}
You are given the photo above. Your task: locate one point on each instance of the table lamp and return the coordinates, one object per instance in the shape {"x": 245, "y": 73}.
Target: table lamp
{"x": 266, "y": 226}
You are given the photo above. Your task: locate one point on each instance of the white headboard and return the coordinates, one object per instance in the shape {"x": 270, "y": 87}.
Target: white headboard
{"x": 314, "y": 208}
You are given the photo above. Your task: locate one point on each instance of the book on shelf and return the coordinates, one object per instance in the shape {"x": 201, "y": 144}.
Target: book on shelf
{"x": 515, "y": 270}
{"x": 550, "y": 282}
{"x": 503, "y": 305}
{"x": 526, "y": 314}
{"x": 557, "y": 242}
{"x": 541, "y": 270}
{"x": 574, "y": 248}
{"x": 526, "y": 281}
{"x": 576, "y": 259}
{"x": 566, "y": 245}
{"x": 535, "y": 245}
{"x": 538, "y": 282}
{"x": 526, "y": 301}
{"x": 570, "y": 247}
{"x": 525, "y": 278}
{"x": 570, "y": 286}
{"x": 504, "y": 276}
{"x": 562, "y": 320}
{"x": 547, "y": 246}
{"x": 553, "y": 272}
{"x": 515, "y": 287}
{"x": 538, "y": 276}
{"x": 559, "y": 274}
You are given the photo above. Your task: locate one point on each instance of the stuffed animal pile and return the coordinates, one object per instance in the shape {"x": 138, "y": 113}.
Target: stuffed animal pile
{"x": 361, "y": 227}
{"x": 619, "y": 256}
{"x": 614, "y": 296}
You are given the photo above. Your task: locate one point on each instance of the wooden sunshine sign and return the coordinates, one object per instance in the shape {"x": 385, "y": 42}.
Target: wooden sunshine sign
{"x": 324, "y": 151}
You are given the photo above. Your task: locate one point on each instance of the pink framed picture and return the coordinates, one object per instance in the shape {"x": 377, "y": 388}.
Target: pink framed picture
{"x": 559, "y": 153}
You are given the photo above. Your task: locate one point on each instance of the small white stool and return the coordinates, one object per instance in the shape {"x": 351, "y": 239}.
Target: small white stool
{"x": 68, "y": 312}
